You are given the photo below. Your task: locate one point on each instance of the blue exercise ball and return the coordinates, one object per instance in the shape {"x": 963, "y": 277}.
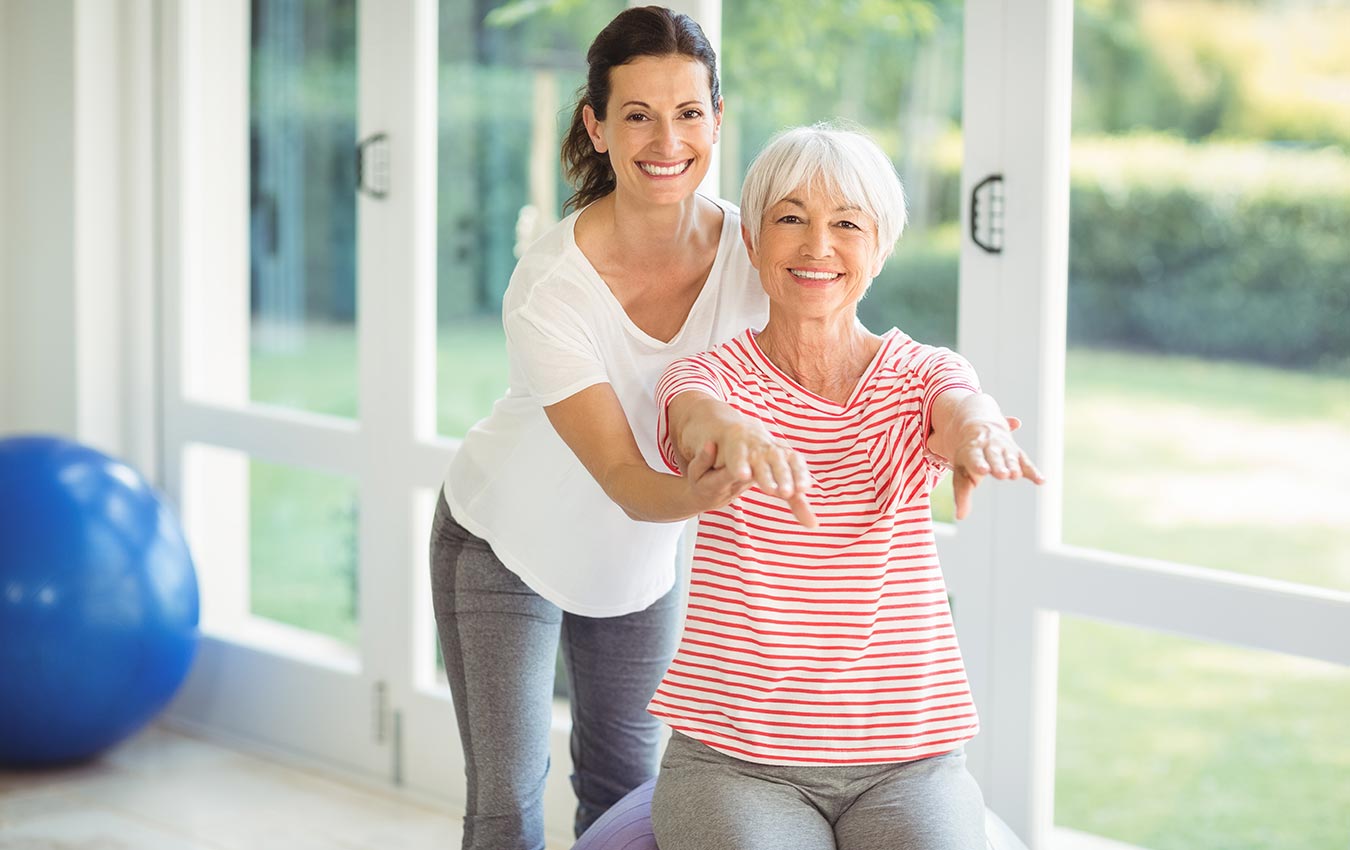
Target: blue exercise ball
{"x": 626, "y": 825}
{"x": 98, "y": 602}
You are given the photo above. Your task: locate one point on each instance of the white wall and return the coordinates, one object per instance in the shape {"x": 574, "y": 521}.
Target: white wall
{"x": 38, "y": 357}
{"x": 75, "y": 269}
{"x": 5, "y": 52}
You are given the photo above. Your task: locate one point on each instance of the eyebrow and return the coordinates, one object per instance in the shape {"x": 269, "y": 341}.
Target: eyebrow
{"x": 845, "y": 208}
{"x": 645, "y": 105}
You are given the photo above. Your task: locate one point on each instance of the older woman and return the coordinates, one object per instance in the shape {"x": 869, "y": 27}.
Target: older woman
{"x": 818, "y": 697}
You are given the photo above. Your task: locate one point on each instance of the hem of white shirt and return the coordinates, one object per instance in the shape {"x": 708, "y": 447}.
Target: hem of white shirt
{"x": 533, "y": 582}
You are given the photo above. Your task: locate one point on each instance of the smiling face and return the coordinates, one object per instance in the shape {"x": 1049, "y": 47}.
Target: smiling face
{"x": 659, "y": 127}
{"x": 817, "y": 253}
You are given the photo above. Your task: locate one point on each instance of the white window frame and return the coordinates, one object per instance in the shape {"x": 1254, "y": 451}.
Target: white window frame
{"x": 383, "y": 715}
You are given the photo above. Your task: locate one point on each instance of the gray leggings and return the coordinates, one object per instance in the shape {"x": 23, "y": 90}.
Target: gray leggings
{"x": 499, "y": 640}
{"x": 706, "y": 800}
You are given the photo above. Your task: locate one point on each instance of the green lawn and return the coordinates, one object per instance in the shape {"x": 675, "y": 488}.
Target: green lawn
{"x": 1167, "y": 743}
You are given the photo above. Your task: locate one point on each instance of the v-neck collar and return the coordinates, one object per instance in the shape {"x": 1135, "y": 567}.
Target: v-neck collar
{"x": 726, "y": 241}
{"x": 802, "y": 393}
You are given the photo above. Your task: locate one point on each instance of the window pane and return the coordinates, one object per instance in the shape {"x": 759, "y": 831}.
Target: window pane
{"x": 302, "y": 205}
{"x": 303, "y": 550}
{"x": 1208, "y": 381}
{"x": 893, "y": 67}
{"x": 508, "y": 76}
{"x": 1174, "y": 744}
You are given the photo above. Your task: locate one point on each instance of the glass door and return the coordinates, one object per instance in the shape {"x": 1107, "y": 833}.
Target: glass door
{"x": 1207, "y": 421}
{"x": 284, "y": 438}
{"x": 1169, "y": 629}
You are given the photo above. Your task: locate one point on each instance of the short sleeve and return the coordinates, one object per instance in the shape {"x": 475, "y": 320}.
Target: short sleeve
{"x": 689, "y": 373}
{"x": 553, "y": 349}
{"x": 934, "y": 371}
{"x": 940, "y": 371}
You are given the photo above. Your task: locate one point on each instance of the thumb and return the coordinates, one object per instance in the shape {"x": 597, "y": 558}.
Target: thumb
{"x": 702, "y": 462}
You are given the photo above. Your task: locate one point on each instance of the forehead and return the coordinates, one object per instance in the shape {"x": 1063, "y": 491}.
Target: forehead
{"x": 819, "y": 194}
{"x": 659, "y": 79}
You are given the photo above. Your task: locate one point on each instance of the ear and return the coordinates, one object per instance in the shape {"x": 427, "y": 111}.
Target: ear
{"x": 749, "y": 249}
{"x": 717, "y": 119}
{"x": 593, "y": 128}
{"x": 882, "y": 257}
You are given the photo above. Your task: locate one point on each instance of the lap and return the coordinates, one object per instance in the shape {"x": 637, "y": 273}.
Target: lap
{"x": 702, "y": 803}
{"x": 929, "y": 804}
{"x": 707, "y": 799}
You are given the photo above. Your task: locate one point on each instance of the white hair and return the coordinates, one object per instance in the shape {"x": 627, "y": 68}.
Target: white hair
{"x": 843, "y": 161}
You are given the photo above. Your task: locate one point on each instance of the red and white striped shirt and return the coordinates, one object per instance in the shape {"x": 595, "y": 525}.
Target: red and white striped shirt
{"x": 834, "y": 645}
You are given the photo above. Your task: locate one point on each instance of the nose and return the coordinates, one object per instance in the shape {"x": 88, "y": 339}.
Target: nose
{"x": 816, "y": 241}
{"x": 667, "y": 140}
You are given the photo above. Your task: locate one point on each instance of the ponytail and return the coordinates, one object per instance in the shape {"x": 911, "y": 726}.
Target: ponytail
{"x": 588, "y": 170}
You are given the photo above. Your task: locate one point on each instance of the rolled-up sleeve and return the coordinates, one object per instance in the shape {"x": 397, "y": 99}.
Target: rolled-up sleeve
{"x": 689, "y": 373}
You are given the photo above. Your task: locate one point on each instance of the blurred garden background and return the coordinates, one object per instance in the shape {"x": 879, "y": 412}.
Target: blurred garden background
{"x": 1207, "y": 387}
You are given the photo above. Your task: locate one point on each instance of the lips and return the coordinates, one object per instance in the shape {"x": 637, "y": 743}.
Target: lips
{"x": 814, "y": 276}
{"x": 665, "y": 170}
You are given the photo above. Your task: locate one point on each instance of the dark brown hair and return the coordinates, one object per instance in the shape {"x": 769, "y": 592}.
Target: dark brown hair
{"x": 641, "y": 31}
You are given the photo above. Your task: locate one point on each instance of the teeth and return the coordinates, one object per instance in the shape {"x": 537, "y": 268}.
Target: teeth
{"x": 813, "y": 275}
{"x": 667, "y": 171}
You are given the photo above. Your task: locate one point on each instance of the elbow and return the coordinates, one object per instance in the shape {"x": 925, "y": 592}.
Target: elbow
{"x": 632, "y": 514}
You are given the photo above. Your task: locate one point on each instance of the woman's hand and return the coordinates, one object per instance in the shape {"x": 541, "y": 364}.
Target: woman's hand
{"x": 717, "y": 437}
{"x": 987, "y": 447}
{"x": 973, "y": 435}
{"x": 711, "y": 486}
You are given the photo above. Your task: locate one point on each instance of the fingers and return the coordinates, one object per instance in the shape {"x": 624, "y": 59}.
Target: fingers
{"x": 777, "y": 470}
{"x": 962, "y": 487}
{"x": 994, "y": 453}
{"x": 801, "y": 510}
{"x": 738, "y": 459}
{"x": 800, "y": 474}
{"x": 1029, "y": 469}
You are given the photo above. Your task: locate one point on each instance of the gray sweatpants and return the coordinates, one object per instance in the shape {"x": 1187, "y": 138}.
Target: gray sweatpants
{"x": 499, "y": 639}
{"x": 706, "y": 800}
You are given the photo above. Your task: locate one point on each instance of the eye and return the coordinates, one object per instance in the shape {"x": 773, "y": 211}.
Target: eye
{"x": 789, "y": 219}
{"x": 694, "y": 114}
{"x": 848, "y": 225}
{"x": 635, "y": 117}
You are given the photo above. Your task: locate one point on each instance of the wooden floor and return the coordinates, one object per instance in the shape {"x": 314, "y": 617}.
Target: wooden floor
{"x": 164, "y": 790}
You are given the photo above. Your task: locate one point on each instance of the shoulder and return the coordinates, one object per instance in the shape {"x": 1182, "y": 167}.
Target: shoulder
{"x": 729, "y": 209}
{"x": 916, "y": 364}
{"x": 730, "y": 363}
{"x": 552, "y": 264}
{"x": 729, "y": 358}
{"x": 903, "y": 353}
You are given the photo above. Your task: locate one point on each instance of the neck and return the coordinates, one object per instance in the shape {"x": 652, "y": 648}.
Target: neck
{"x": 649, "y": 230}
{"x": 824, "y": 355}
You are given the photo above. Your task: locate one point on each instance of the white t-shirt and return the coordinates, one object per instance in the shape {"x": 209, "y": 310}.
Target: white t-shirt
{"x": 516, "y": 484}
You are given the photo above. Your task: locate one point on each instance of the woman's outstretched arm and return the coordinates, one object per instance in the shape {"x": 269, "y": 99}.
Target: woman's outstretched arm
{"x": 742, "y": 446}
{"x": 593, "y": 425}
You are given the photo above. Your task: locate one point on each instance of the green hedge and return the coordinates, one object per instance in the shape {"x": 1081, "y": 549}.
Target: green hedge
{"x": 1237, "y": 252}
{"x": 1225, "y": 251}
{"x": 916, "y": 290}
